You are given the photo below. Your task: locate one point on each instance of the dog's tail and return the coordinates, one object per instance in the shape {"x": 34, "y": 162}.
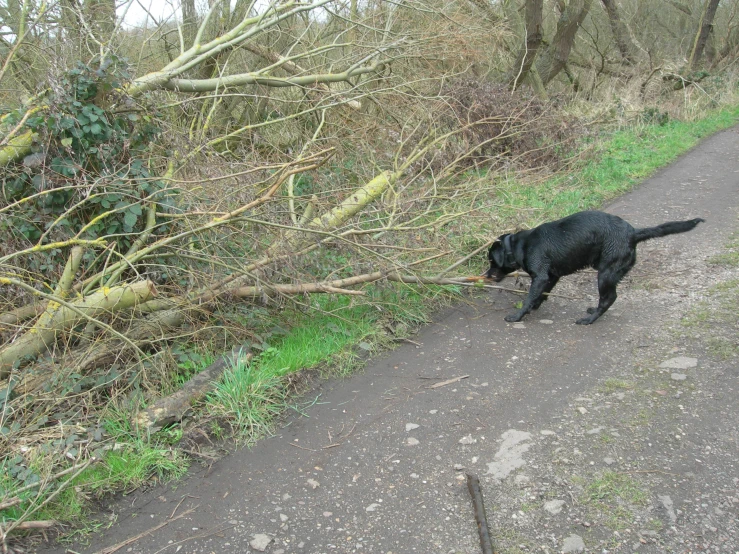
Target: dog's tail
{"x": 669, "y": 228}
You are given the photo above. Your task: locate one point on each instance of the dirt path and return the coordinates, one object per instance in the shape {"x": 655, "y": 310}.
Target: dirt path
{"x": 618, "y": 437}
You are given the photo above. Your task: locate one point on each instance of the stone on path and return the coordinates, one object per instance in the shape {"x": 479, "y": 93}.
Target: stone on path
{"x": 510, "y": 454}
{"x": 681, "y": 362}
{"x": 411, "y": 426}
{"x": 669, "y": 507}
{"x": 260, "y": 542}
{"x": 573, "y": 543}
{"x": 678, "y": 377}
{"x": 554, "y": 506}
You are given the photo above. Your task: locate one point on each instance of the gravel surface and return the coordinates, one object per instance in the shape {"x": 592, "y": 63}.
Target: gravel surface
{"x": 618, "y": 437}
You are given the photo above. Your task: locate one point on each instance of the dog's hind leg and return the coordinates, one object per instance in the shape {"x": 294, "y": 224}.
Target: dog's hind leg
{"x": 608, "y": 280}
{"x": 534, "y": 298}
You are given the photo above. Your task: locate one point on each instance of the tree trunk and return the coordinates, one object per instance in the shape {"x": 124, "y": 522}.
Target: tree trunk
{"x": 730, "y": 45}
{"x": 527, "y": 55}
{"x": 59, "y": 318}
{"x": 701, "y": 37}
{"x": 620, "y": 32}
{"x": 101, "y": 14}
{"x": 189, "y": 22}
{"x": 554, "y": 58}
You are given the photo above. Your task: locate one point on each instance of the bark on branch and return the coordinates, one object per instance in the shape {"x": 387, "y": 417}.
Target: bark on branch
{"x": 60, "y": 317}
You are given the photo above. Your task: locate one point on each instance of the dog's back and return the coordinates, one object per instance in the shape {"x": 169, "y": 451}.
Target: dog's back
{"x": 578, "y": 241}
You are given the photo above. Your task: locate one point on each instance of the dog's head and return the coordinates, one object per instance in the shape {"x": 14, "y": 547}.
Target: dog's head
{"x": 502, "y": 260}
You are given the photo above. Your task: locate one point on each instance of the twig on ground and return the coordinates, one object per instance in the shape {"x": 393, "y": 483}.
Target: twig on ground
{"x": 116, "y": 547}
{"x": 301, "y": 447}
{"x": 448, "y": 382}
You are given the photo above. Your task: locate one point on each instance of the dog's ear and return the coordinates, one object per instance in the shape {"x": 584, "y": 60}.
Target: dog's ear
{"x": 496, "y": 254}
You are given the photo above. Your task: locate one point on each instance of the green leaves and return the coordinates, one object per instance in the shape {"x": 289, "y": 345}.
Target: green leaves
{"x": 96, "y": 163}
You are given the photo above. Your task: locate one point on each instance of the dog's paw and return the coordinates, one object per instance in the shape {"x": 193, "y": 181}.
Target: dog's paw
{"x": 591, "y": 310}
{"x": 513, "y": 318}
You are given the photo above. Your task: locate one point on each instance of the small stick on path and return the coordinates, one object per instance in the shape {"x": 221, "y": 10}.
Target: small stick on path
{"x": 473, "y": 485}
{"x": 116, "y": 547}
{"x": 448, "y": 382}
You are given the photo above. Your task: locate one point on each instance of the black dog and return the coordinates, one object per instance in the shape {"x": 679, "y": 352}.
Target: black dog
{"x": 599, "y": 240}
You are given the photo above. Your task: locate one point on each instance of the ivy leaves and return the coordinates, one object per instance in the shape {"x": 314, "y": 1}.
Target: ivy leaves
{"x": 94, "y": 161}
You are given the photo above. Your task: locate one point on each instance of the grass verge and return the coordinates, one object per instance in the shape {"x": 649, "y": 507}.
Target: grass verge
{"x": 616, "y": 163}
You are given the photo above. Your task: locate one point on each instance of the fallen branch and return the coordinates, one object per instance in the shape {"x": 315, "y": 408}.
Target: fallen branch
{"x": 21, "y": 314}
{"x": 467, "y": 257}
{"x": 61, "y": 316}
{"x": 473, "y": 485}
{"x": 174, "y": 407}
{"x": 155, "y": 328}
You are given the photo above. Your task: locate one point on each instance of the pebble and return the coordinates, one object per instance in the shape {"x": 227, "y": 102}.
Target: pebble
{"x": 522, "y": 479}
{"x": 678, "y": 377}
{"x": 669, "y": 507}
{"x": 681, "y": 362}
{"x": 260, "y": 542}
{"x": 411, "y": 426}
{"x": 609, "y": 461}
{"x": 467, "y": 440}
{"x": 313, "y": 483}
{"x": 573, "y": 543}
{"x": 554, "y": 506}
{"x": 412, "y": 442}
{"x": 519, "y": 326}
{"x": 546, "y": 321}
{"x": 371, "y": 507}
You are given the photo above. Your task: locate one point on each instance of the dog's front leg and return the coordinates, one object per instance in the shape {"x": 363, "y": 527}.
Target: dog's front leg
{"x": 536, "y": 290}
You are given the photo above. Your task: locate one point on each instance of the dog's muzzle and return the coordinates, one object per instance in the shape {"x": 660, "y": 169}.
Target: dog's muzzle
{"x": 495, "y": 274}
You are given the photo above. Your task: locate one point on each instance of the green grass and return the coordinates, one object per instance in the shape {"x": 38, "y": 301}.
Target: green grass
{"x": 251, "y": 395}
{"x": 715, "y": 321}
{"x": 249, "y": 398}
{"x": 614, "y": 385}
{"x": 730, "y": 258}
{"x": 126, "y": 463}
{"x": 615, "y": 165}
{"x": 611, "y": 495}
{"x": 611, "y": 486}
